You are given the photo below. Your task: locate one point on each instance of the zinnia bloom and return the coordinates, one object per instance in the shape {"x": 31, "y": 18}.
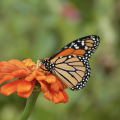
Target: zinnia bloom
{"x": 23, "y": 76}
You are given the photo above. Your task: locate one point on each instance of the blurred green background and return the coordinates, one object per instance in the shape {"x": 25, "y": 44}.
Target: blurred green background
{"x": 31, "y": 28}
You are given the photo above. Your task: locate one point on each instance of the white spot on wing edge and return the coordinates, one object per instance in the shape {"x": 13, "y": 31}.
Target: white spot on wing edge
{"x": 83, "y": 43}
{"x": 78, "y": 41}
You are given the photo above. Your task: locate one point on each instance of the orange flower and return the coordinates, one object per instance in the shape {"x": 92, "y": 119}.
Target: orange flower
{"x": 23, "y": 76}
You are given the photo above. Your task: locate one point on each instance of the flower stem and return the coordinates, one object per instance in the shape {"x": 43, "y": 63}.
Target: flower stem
{"x": 29, "y": 106}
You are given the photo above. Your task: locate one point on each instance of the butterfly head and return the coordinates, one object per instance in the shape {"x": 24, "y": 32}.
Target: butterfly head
{"x": 47, "y": 65}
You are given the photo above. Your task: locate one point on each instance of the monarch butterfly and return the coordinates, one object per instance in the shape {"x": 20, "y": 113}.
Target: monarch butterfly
{"x": 71, "y": 63}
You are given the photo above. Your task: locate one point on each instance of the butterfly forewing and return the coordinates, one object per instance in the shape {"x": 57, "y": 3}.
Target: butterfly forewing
{"x": 83, "y": 47}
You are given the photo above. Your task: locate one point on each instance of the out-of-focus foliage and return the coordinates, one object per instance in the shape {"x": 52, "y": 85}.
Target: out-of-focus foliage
{"x": 31, "y": 28}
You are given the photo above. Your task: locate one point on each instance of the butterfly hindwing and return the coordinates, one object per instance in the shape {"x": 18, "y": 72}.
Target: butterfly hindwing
{"x": 72, "y": 70}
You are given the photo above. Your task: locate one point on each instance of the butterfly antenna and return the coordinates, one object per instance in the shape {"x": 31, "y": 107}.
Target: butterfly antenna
{"x": 40, "y": 58}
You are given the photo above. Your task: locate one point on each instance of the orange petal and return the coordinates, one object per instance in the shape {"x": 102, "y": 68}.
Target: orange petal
{"x": 39, "y": 78}
{"x": 65, "y": 97}
{"x": 65, "y": 86}
{"x": 3, "y": 74}
{"x": 24, "y": 86}
{"x": 54, "y": 87}
{"x": 18, "y": 63}
{"x": 6, "y": 67}
{"x": 61, "y": 86}
{"x": 48, "y": 95}
{"x": 2, "y": 63}
{"x": 50, "y": 79}
{"x": 27, "y": 94}
{"x": 58, "y": 97}
{"x": 20, "y": 73}
{"x": 27, "y": 60}
{"x": 39, "y": 73}
{"x": 31, "y": 76}
{"x": 6, "y": 78}
{"x": 44, "y": 86}
{"x": 10, "y": 87}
